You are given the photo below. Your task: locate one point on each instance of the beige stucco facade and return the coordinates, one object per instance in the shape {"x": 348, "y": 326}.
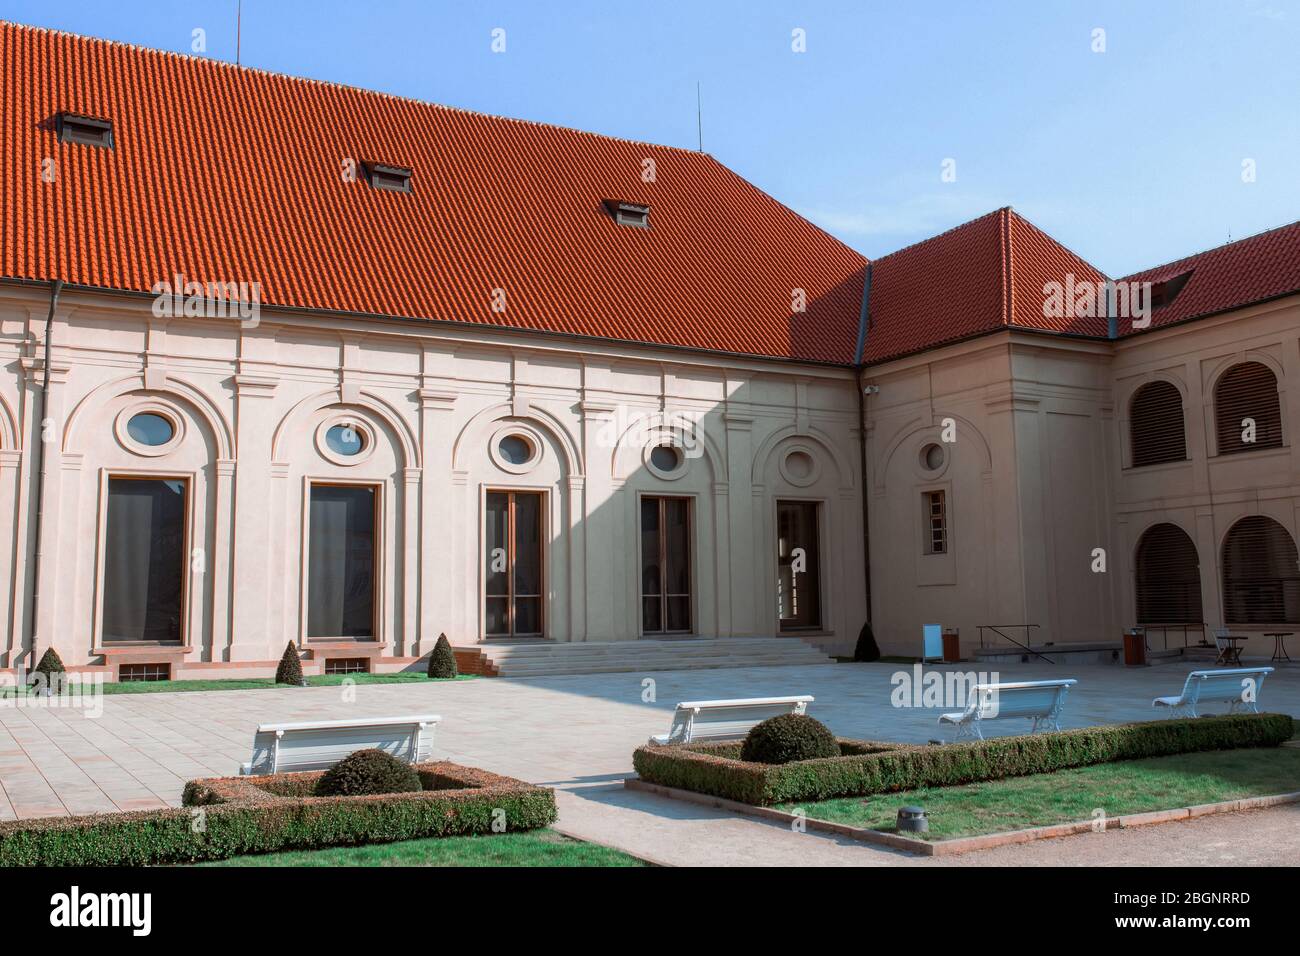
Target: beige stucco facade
{"x": 251, "y": 405}
{"x": 1035, "y": 471}
{"x": 1039, "y": 476}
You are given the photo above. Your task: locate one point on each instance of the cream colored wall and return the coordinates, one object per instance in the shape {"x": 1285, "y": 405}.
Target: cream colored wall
{"x": 1025, "y": 481}
{"x": 1206, "y": 495}
{"x": 434, "y": 399}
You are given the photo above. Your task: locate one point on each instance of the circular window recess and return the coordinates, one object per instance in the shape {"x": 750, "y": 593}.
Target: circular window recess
{"x": 665, "y": 460}
{"x": 933, "y": 457}
{"x": 799, "y": 467}
{"x": 516, "y": 449}
{"x": 344, "y": 441}
{"x": 151, "y": 429}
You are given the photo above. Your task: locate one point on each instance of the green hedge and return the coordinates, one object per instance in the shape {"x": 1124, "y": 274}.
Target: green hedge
{"x": 866, "y": 767}
{"x": 233, "y": 816}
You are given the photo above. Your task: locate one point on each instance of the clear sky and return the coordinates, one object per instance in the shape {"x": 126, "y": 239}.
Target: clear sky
{"x": 1131, "y": 156}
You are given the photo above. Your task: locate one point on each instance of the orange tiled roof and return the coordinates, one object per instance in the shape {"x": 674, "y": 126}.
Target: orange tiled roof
{"x": 229, "y": 174}
{"x": 1253, "y": 269}
{"x": 984, "y": 275}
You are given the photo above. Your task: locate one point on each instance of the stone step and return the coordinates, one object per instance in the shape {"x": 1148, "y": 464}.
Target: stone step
{"x": 614, "y": 667}
{"x": 540, "y": 660}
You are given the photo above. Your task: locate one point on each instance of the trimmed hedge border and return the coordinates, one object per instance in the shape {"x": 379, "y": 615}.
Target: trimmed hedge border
{"x": 234, "y": 816}
{"x": 866, "y": 767}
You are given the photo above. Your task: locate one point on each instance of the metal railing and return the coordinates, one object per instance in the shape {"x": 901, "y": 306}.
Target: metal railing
{"x": 1024, "y": 646}
{"x": 1185, "y": 629}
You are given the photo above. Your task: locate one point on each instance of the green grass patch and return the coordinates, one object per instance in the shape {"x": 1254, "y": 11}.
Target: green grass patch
{"x": 1130, "y": 786}
{"x": 533, "y": 848}
{"x": 261, "y": 683}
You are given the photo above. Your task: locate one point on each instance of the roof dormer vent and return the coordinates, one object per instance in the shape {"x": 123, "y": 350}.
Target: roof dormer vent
{"x": 629, "y": 213}
{"x": 86, "y": 130}
{"x": 395, "y": 179}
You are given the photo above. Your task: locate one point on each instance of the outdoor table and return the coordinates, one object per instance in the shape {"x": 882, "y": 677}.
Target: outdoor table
{"x": 1279, "y": 644}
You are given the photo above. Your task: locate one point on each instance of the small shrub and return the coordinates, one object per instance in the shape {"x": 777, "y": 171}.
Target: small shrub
{"x": 866, "y": 650}
{"x": 787, "y": 738}
{"x": 290, "y": 669}
{"x": 442, "y": 662}
{"x": 368, "y": 772}
{"x": 49, "y": 665}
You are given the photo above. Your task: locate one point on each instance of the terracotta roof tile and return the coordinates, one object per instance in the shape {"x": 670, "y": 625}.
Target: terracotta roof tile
{"x": 1243, "y": 272}
{"x": 981, "y": 276}
{"x": 231, "y": 174}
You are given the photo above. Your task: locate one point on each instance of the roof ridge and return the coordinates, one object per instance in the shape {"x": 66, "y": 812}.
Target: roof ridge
{"x": 1036, "y": 227}
{"x": 239, "y": 67}
{"x": 1207, "y": 251}
{"x": 940, "y": 235}
{"x": 1008, "y": 268}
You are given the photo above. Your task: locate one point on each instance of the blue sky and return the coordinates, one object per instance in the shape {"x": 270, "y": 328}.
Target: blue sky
{"x": 1131, "y": 157}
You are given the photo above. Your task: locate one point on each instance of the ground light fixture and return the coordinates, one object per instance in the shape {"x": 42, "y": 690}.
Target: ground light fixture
{"x": 912, "y": 820}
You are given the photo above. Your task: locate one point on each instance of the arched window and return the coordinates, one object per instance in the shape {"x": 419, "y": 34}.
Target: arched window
{"x": 1155, "y": 420}
{"x": 1261, "y": 575}
{"x": 1168, "y": 577}
{"x": 1245, "y": 406}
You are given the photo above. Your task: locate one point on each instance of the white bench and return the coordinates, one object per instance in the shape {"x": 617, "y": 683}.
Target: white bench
{"x": 1237, "y": 688}
{"x": 697, "y": 720}
{"x": 319, "y": 745}
{"x": 1039, "y": 701}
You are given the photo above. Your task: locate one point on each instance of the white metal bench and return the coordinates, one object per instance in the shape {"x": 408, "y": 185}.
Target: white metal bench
{"x": 697, "y": 720}
{"x": 1039, "y": 701}
{"x": 319, "y": 745}
{"x": 1236, "y": 688}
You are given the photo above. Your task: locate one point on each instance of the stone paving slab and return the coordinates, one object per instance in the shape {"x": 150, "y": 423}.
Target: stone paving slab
{"x": 575, "y": 733}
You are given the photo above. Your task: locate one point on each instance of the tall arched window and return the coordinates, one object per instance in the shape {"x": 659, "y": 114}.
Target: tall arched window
{"x": 1168, "y": 577}
{"x": 1261, "y": 574}
{"x": 1246, "y": 406}
{"x": 1156, "y": 424}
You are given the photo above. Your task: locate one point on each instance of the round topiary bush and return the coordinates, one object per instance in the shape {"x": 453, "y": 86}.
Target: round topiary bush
{"x": 367, "y": 772}
{"x": 787, "y": 738}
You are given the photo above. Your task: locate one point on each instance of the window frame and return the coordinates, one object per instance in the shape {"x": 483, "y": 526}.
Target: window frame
{"x": 664, "y": 594}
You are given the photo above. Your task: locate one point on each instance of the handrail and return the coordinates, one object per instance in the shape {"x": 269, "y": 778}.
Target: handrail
{"x": 997, "y": 629}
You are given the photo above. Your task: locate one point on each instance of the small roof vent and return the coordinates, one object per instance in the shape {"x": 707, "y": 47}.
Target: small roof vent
{"x": 629, "y": 213}
{"x": 395, "y": 179}
{"x": 86, "y": 130}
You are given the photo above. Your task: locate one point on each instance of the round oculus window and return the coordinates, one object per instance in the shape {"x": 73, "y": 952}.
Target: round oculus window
{"x": 150, "y": 429}
{"x": 345, "y": 440}
{"x": 666, "y": 458}
{"x": 515, "y": 449}
{"x": 933, "y": 457}
{"x": 799, "y": 465}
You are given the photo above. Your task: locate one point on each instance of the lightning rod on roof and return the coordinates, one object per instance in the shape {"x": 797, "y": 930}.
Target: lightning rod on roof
{"x": 239, "y": 25}
{"x": 699, "y": 117}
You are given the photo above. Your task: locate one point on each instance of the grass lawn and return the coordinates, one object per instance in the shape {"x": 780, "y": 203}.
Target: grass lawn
{"x": 530, "y": 848}
{"x": 260, "y": 683}
{"x": 1129, "y": 786}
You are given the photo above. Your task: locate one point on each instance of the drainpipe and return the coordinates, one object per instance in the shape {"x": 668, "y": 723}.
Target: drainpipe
{"x": 42, "y": 465}
{"x": 864, "y": 318}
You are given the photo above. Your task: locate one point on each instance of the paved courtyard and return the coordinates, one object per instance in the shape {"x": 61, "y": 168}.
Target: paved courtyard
{"x": 574, "y": 733}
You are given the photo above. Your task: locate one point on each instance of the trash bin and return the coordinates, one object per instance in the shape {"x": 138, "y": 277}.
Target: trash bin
{"x": 1135, "y": 648}
{"x": 951, "y": 646}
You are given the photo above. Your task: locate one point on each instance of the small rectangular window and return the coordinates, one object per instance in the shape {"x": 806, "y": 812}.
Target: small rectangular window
{"x": 347, "y": 665}
{"x": 85, "y": 130}
{"x": 629, "y": 213}
{"x": 395, "y": 179}
{"x": 936, "y": 522}
{"x": 132, "y": 673}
